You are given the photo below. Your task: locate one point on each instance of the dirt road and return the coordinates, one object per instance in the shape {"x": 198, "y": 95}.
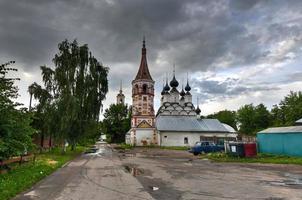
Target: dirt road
{"x": 165, "y": 174}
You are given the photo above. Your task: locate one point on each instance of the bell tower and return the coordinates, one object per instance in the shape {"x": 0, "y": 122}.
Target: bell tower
{"x": 120, "y": 97}
{"x": 143, "y": 117}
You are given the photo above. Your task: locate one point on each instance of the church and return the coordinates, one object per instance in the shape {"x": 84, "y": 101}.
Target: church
{"x": 177, "y": 121}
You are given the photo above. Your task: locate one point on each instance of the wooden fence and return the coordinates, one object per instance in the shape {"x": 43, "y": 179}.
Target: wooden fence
{"x": 4, "y": 164}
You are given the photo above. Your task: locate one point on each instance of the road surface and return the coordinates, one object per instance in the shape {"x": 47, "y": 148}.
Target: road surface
{"x": 165, "y": 174}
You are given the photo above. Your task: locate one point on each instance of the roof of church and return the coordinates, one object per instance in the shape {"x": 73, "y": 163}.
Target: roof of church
{"x": 189, "y": 124}
{"x": 143, "y": 71}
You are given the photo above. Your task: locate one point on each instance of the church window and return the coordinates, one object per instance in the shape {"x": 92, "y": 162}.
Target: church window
{"x": 145, "y": 89}
{"x": 186, "y": 141}
{"x": 136, "y": 88}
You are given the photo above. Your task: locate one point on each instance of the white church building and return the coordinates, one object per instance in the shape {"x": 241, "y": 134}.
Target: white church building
{"x": 177, "y": 122}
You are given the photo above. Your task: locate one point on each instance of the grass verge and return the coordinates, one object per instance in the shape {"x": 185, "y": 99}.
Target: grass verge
{"x": 24, "y": 176}
{"x": 175, "y": 148}
{"x": 260, "y": 158}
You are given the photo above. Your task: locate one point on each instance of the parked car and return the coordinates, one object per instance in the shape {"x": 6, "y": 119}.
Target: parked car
{"x": 206, "y": 147}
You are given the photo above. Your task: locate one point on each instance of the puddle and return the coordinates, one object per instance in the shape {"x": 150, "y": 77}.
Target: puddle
{"x": 290, "y": 180}
{"x": 133, "y": 170}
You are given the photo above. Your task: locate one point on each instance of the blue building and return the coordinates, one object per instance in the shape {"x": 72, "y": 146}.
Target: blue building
{"x": 281, "y": 140}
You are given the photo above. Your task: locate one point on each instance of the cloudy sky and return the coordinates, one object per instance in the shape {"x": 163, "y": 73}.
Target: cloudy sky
{"x": 236, "y": 52}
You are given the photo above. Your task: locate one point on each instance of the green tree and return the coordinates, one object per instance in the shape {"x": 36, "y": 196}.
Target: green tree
{"x": 116, "y": 123}
{"x": 289, "y": 110}
{"x": 253, "y": 118}
{"x": 15, "y": 129}
{"x": 225, "y": 116}
{"x": 75, "y": 89}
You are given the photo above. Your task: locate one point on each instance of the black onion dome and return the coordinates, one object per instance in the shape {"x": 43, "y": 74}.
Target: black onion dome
{"x": 187, "y": 88}
{"x": 182, "y": 93}
{"x": 167, "y": 88}
{"x": 163, "y": 91}
{"x": 198, "y": 111}
{"x": 174, "y": 83}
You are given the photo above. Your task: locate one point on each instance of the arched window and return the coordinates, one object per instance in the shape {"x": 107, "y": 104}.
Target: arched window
{"x": 145, "y": 89}
{"x": 186, "y": 141}
{"x": 136, "y": 89}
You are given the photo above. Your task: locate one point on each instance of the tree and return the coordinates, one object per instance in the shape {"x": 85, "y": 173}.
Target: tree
{"x": 116, "y": 123}
{"x": 289, "y": 110}
{"x": 15, "y": 129}
{"x": 225, "y": 116}
{"x": 253, "y": 119}
{"x": 74, "y": 92}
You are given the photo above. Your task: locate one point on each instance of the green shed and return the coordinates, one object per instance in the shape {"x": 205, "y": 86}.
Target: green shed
{"x": 281, "y": 141}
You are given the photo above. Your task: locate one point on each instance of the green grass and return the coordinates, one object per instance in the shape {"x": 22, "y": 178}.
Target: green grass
{"x": 260, "y": 158}
{"x": 124, "y": 146}
{"x": 175, "y": 148}
{"x": 24, "y": 176}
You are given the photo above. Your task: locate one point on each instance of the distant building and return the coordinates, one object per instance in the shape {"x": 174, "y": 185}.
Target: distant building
{"x": 281, "y": 141}
{"x": 120, "y": 97}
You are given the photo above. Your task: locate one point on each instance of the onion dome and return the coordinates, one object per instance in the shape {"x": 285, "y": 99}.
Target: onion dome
{"x": 167, "y": 88}
{"x": 163, "y": 91}
{"x": 188, "y": 88}
{"x": 174, "y": 83}
{"x": 182, "y": 93}
{"x": 198, "y": 111}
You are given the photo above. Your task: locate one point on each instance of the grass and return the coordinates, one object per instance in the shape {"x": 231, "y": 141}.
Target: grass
{"x": 175, "y": 148}
{"x": 260, "y": 158}
{"x": 24, "y": 176}
{"x": 124, "y": 146}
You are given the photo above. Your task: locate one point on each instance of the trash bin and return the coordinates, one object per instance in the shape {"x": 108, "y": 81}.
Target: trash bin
{"x": 250, "y": 149}
{"x": 237, "y": 149}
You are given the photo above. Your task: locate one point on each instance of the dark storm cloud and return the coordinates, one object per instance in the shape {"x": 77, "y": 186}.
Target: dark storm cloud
{"x": 195, "y": 35}
{"x": 228, "y": 88}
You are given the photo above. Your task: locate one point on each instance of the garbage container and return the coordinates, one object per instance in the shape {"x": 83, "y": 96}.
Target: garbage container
{"x": 237, "y": 149}
{"x": 250, "y": 149}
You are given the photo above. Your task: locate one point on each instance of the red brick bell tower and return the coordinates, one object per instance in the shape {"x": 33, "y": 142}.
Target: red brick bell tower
{"x": 143, "y": 117}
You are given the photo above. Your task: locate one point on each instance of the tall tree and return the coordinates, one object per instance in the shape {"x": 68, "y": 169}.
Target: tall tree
{"x": 77, "y": 87}
{"x": 15, "y": 129}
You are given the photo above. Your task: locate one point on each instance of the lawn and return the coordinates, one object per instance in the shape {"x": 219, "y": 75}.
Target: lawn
{"x": 260, "y": 158}
{"x": 25, "y": 175}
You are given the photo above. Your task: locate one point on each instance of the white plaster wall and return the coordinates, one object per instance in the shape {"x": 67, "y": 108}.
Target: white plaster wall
{"x": 144, "y": 134}
{"x": 177, "y": 138}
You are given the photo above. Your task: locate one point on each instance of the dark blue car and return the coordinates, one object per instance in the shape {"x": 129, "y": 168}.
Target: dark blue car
{"x": 206, "y": 147}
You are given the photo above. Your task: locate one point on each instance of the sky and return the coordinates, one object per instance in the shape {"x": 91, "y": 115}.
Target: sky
{"x": 236, "y": 52}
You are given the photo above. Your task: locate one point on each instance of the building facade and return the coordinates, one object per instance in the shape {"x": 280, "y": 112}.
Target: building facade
{"x": 143, "y": 117}
{"x": 178, "y": 122}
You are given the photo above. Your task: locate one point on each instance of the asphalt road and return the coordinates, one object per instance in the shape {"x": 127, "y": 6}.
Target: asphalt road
{"x": 165, "y": 174}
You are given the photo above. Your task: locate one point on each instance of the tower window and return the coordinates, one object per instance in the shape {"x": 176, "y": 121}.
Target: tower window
{"x": 144, "y": 88}
{"x": 145, "y": 99}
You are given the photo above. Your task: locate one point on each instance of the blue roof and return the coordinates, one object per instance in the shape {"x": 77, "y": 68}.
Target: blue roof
{"x": 189, "y": 124}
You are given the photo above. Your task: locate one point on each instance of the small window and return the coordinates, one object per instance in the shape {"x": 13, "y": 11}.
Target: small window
{"x": 165, "y": 136}
{"x": 145, "y": 89}
{"x": 145, "y": 99}
{"x": 186, "y": 141}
